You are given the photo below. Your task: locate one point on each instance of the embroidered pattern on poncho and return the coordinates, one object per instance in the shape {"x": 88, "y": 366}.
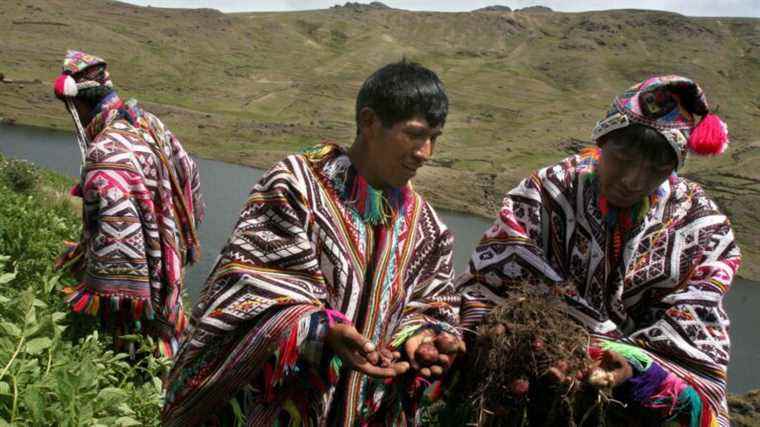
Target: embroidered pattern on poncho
{"x": 297, "y": 250}
{"x": 665, "y": 294}
{"x": 142, "y": 201}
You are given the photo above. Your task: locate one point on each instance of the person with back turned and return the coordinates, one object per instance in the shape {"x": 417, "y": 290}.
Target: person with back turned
{"x": 142, "y": 203}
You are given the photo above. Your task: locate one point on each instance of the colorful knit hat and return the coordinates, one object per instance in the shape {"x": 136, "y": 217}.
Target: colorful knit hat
{"x": 84, "y": 76}
{"x": 676, "y": 107}
{"x": 81, "y": 74}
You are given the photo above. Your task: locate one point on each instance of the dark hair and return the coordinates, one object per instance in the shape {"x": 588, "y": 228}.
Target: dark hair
{"x": 644, "y": 140}
{"x": 402, "y": 90}
{"x": 92, "y": 95}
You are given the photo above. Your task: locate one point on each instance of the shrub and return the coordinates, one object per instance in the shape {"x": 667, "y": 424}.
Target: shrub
{"x": 31, "y": 233}
{"x": 20, "y": 175}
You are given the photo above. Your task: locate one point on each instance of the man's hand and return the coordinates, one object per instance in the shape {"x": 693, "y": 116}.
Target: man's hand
{"x": 360, "y": 354}
{"x": 609, "y": 371}
{"x": 431, "y": 354}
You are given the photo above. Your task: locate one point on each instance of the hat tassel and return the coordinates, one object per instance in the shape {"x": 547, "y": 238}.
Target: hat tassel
{"x": 709, "y": 137}
{"x": 65, "y": 86}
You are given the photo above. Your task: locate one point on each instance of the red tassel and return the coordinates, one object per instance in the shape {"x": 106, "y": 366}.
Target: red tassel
{"x": 333, "y": 371}
{"x": 76, "y": 191}
{"x": 595, "y": 353}
{"x": 604, "y": 206}
{"x": 138, "y": 309}
{"x": 288, "y": 355}
{"x": 358, "y": 195}
{"x": 710, "y": 137}
{"x": 80, "y": 305}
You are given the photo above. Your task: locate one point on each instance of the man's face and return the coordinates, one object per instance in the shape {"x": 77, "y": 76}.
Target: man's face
{"x": 397, "y": 152}
{"x": 626, "y": 176}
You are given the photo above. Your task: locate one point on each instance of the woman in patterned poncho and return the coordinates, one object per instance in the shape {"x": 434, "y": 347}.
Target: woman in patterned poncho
{"x": 642, "y": 256}
{"x": 335, "y": 258}
{"x": 142, "y": 203}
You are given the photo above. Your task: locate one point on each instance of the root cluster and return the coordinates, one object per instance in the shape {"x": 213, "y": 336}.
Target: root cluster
{"x": 507, "y": 377}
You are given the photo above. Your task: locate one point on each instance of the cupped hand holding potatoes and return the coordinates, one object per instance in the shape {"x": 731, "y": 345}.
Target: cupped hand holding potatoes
{"x": 431, "y": 353}
{"x": 360, "y": 354}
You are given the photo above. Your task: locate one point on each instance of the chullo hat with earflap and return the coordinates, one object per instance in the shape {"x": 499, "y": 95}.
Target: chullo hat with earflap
{"x": 85, "y": 77}
{"x": 676, "y": 107}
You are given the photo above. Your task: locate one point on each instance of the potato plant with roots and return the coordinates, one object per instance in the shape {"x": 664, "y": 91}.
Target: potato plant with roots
{"x": 507, "y": 380}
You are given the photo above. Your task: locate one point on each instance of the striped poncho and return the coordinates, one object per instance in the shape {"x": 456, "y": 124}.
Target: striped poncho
{"x": 662, "y": 299}
{"x": 299, "y": 252}
{"x": 142, "y": 201}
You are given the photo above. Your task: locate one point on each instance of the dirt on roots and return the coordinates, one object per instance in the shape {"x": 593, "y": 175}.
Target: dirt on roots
{"x": 507, "y": 381}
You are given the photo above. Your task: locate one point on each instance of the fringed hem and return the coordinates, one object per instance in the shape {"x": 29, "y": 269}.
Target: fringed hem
{"x": 84, "y": 300}
{"x": 122, "y": 315}
{"x": 286, "y": 361}
{"x": 168, "y": 347}
{"x": 287, "y": 356}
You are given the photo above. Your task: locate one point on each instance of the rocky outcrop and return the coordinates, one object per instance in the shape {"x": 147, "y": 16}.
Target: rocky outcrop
{"x": 356, "y": 6}
{"x": 494, "y": 8}
{"x": 745, "y": 409}
{"x": 535, "y": 9}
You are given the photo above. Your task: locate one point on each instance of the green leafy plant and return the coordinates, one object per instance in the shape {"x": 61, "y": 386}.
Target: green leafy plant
{"x": 20, "y": 175}
{"x": 55, "y": 368}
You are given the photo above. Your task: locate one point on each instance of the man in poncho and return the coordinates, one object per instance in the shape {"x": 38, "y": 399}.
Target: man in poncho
{"x": 142, "y": 202}
{"x": 641, "y": 256}
{"x": 336, "y": 277}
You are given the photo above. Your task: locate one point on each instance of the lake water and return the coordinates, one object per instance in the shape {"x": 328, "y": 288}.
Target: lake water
{"x": 226, "y": 186}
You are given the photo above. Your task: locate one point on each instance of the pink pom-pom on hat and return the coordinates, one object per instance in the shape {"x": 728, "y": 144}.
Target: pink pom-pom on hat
{"x": 709, "y": 137}
{"x": 65, "y": 86}
{"x": 669, "y": 104}
{"x": 90, "y": 71}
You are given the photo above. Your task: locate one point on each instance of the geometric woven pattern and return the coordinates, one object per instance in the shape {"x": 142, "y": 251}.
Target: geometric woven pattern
{"x": 299, "y": 248}
{"x": 133, "y": 245}
{"x": 664, "y": 296}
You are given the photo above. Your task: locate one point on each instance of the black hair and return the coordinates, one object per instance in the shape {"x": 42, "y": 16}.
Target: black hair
{"x": 402, "y": 90}
{"x": 92, "y": 95}
{"x": 644, "y": 140}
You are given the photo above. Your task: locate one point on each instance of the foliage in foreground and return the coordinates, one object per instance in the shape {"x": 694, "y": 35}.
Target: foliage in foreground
{"x": 55, "y": 368}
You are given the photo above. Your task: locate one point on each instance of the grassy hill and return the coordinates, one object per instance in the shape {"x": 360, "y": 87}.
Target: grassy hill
{"x": 526, "y": 88}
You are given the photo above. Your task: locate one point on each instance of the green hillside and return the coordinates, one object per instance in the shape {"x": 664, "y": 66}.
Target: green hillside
{"x": 526, "y": 87}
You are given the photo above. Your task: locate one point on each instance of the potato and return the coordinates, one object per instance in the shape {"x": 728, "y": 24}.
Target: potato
{"x": 519, "y": 387}
{"x": 426, "y": 354}
{"x": 446, "y": 343}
